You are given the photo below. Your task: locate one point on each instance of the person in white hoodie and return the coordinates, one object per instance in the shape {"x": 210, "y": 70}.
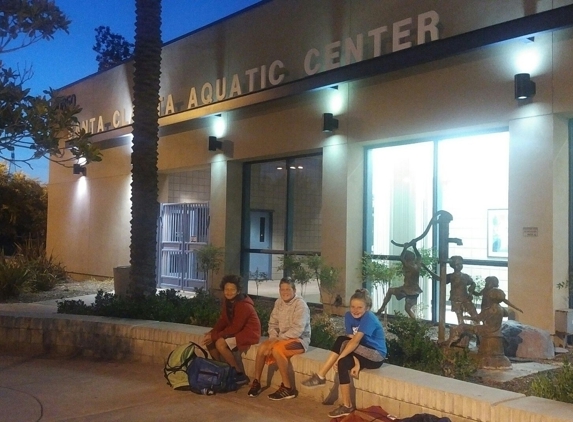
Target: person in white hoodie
{"x": 289, "y": 335}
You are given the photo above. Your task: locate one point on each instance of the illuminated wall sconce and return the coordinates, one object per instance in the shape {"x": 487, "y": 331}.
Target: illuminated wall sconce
{"x": 214, "y": 144}
{"x": 79, "y": 169}
{"x": 329, "y": 123}
{"x": 524, "y": 86}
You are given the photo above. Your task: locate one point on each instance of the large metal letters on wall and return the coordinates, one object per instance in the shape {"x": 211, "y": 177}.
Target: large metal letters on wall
{"x": 283, "y": 41}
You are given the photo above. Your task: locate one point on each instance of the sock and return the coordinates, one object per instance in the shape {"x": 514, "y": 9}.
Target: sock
{"x": 320, "y": 377}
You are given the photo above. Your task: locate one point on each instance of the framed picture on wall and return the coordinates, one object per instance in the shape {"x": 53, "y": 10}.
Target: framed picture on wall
{"x": 497, "y": 229}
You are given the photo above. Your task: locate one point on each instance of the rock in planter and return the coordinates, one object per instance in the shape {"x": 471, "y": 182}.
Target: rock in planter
{"x": 526, "y": 342}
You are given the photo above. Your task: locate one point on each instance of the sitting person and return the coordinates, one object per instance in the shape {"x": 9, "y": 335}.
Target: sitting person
{"x": 363, "y": 346}
{"x": 289, "y": 335}
{"x": 238, "y": 327}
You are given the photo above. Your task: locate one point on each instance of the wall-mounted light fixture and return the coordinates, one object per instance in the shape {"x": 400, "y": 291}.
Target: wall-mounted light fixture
{"x": 79, "y": 169}
{"x": 329, "y": 122}
{"x": 214, "y": 144}
{"x": 524, "y": 86}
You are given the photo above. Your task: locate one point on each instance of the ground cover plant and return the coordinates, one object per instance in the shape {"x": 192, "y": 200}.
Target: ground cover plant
{"x": 30, "y": 269}
{"x": 169, "y": 306}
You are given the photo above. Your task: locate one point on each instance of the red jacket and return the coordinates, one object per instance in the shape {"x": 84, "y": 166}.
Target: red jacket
{"x": 245, "y": 325}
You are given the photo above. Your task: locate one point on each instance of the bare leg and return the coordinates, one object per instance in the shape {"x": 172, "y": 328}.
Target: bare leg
{"x": 345, "y": 395}
{"x": 225, "y": 352}
{"x": 214, "y": 353}
{"x": 282, "y": 363}
{"x": 262, "y": 353}
{"x": 329, "y": 363}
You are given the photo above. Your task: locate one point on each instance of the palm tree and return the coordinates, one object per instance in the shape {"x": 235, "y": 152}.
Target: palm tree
{"x": 144, "y": 190}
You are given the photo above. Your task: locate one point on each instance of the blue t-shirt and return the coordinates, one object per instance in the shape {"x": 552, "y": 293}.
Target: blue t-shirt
{"x": 370, "y": 326}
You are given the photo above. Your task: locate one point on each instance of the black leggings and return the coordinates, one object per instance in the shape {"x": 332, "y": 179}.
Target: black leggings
{"x": 347, "y": 363}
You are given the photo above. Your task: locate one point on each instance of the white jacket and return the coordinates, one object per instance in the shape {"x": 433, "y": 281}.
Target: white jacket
{"x": 290, "y": 320}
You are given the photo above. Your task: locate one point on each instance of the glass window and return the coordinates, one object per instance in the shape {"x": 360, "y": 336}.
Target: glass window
{"x": 466, "y": 176}
{"x": 284, "y": 210}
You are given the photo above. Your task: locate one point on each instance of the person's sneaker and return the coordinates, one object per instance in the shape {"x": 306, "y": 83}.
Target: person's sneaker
{"x": 314, "y": 381}
{"x": 255, "y": 389}
{"x": 341, "y": 411}
{"x": 283, "y": 393}
{"x": 241, "y": 379}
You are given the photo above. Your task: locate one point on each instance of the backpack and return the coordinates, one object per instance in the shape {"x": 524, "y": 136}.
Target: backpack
{"x": 207, "y": 376}
{"x": 175, "y": 369}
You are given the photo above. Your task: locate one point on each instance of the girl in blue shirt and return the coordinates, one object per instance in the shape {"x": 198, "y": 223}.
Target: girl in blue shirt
{"x": 363, "y": 346}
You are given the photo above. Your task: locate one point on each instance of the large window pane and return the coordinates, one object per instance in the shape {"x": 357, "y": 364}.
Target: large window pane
{"x": 268, "y": 199}
{"x": 401, "y": 183}
{"x": 307, "y": 196}
{"x": 284, "y": 216}
{"x": 471, "y": 182}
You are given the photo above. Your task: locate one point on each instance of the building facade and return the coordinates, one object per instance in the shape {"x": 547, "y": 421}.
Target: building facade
{"x": 424, "y": 97}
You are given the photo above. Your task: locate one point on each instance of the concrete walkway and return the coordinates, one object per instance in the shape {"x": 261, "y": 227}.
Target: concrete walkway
{"x": 48, "y": 389}
{"x": 43, "y": 389}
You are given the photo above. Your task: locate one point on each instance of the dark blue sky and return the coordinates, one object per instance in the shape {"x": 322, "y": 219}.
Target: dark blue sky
{"x": 69, "y": 57}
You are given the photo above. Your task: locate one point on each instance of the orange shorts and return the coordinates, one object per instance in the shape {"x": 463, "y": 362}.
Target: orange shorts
{"x": 287, "y": 348}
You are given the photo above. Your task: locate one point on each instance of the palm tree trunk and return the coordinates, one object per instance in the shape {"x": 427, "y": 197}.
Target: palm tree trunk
{"x": 144, "y": 190}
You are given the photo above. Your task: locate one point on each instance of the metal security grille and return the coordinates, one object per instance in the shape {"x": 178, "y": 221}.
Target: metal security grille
{"x": 183, "y": 228}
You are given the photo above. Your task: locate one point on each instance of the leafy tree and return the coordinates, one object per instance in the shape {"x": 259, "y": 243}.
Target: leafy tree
{"x": 36, "y": 123}
{"x": 112, "y": 49}
{"x": 144, "y": 189}
{"x": 23, "y": 211}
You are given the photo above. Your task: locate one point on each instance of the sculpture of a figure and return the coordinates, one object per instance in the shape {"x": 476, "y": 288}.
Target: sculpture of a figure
{"x": 410, "y": 290}
{"x": 491, "y": 283}
{"x": 462, "y": 289}
{"x": 490, "y": 319}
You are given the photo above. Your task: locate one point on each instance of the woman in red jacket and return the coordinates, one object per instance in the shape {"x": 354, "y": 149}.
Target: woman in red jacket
{"x": 238, "y": 326}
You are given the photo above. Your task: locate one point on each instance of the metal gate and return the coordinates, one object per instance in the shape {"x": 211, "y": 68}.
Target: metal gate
{"x": 183, "y": 228}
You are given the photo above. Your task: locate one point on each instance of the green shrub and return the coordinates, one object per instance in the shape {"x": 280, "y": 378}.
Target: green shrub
{"x": 205, "y": 309}
{"x": 557, "y": 385}
{"x": 166, "y": 306}
{"x": 12, "y": 278}
{"x": 411, "y": 347}
{"x": 324, "y": 331}
{"x": 44, "y": 271}
{"x": 264, "y": 309}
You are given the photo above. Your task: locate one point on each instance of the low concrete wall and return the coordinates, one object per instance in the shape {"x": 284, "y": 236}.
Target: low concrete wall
{"x": 400, "y": 391}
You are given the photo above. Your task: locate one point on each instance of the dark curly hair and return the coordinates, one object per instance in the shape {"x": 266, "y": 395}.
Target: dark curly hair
{"x": 233, "y": 279}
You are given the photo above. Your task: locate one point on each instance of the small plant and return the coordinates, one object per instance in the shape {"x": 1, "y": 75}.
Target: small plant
{"x": 258, "y": 277}
{"x": 166, "y": 306}
{"x": 324, "y": 332}
{"x": 296, "y": 268}
{"x": 555, "y": 386}
{"x": 264, "y": 310}
{"x": 44, "y": 271}
{"x": 210, "y": 258}
{"x": 326, "y": 277}
{"x": 378, "y": 272}
{"x": 411, "y": 347}
{"x": 204, "y": 309}
{"x": 12, "y": 278}
{"x": 303, "y": 269}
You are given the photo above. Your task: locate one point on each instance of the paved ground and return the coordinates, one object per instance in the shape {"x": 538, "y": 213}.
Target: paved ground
{"x": 43, "y": 389}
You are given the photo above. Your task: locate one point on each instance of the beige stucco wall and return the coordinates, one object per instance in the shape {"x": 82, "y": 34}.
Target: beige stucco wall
{"x": 459, "y": 95}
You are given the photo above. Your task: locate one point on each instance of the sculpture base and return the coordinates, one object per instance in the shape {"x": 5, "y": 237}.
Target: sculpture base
{"x": 490, "y": 353}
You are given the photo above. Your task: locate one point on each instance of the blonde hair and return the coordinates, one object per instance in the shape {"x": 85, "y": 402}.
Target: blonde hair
{"x": 363, "y": 295}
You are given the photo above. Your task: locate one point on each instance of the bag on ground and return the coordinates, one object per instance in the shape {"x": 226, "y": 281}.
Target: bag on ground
{"x": 207, "y": 376}
{"x": 175, "y": 369}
